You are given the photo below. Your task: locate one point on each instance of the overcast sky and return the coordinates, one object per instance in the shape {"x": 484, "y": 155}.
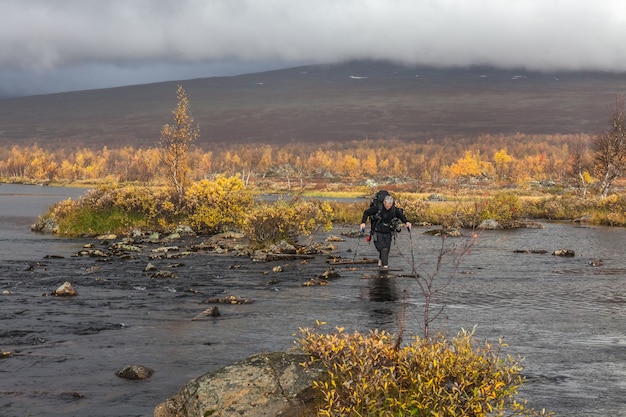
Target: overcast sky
{"x": 65, "y": 45}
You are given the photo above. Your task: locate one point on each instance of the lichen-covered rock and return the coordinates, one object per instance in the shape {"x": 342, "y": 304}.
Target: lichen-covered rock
{"x": 274, "y": 384}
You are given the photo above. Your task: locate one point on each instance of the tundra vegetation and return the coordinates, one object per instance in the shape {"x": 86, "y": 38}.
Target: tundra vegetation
{"x": 457, "y": 182}
{"x": 560, "y": 177}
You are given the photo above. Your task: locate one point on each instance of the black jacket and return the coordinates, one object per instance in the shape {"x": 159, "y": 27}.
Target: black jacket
{"x": 382, "y": 222}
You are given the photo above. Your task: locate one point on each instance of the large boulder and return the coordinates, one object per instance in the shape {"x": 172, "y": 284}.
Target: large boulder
{"x": 273, "y": 384}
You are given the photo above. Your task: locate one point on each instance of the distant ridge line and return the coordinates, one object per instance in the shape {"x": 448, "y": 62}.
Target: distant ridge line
{"x": 322, "y": 103}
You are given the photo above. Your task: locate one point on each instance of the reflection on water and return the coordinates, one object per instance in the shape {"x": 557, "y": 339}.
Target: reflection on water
{"x": 383, "y": 289}
{"x": 383, "y": 294}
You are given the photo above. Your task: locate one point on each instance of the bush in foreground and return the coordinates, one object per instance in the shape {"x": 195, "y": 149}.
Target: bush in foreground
{"x": 368, "y": 375}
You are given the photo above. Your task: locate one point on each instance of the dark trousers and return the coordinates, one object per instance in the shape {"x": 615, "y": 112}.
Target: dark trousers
{"x": 382, "y": 241}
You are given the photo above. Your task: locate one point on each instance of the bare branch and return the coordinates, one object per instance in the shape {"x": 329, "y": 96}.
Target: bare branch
{"x": 432, "y": 284}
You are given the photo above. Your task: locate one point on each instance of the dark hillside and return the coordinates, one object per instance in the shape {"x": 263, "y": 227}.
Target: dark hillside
{"x": 322, "y": 103}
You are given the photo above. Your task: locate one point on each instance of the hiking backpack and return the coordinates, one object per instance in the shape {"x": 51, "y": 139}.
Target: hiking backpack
{"x": 379, "y": 197}
{"x": 378, "y": 201}
{"x": 375, "y": 219}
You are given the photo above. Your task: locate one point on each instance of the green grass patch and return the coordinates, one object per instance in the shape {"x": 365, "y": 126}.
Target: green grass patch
{"x": 85, "y": 221}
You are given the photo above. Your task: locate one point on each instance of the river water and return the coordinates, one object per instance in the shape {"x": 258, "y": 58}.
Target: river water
{"x": 563, "y": 315}
{"x": 20, "y": 206}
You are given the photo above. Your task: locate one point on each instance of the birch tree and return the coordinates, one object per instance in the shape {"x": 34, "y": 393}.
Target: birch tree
{"x": 176, "y": 141}
{"x": 610, "y": 148}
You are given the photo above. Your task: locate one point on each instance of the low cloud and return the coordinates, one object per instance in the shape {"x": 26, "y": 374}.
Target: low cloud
{"x": 123, "y": 38}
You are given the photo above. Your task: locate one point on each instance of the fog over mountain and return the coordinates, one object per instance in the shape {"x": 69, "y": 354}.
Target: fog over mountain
{"x": 68, "y": 45}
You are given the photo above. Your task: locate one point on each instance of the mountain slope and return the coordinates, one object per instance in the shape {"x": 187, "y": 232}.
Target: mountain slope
{"x": 322, "y": 103}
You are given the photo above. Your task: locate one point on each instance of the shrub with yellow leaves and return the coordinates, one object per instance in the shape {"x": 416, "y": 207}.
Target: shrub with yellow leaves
{"x": 115, "y": 210}
{"x": 504, "y": 207}
{"x": 270, "y": 223}
{"x": 217, "y": 205}
{"x": 369, "y": 375}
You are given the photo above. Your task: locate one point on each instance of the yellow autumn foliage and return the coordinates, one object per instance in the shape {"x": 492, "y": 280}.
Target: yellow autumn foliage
{"x": 368, "y": 375}
{"x": 218, "y": 205}
{"x": 287, "y": 220}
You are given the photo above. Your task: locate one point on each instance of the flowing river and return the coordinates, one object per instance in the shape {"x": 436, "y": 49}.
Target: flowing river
{"x": 566, "y": 316}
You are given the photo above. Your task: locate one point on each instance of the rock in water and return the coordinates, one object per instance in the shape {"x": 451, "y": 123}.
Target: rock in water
{"x": 209, "y": 312}
{"x": 65, "y": 290}
{"x": 329, "y": 274}
{"x": 135, "y": 372}
{"x": 489, "y": 224}
{"x": 563, "y": 252}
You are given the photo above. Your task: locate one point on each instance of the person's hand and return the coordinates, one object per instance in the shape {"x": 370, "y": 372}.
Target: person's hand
{"x": 362, "y": 228}
{"x": 408, "y": 225}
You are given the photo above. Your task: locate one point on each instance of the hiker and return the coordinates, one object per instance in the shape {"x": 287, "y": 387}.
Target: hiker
{"x": 385, "y": 220}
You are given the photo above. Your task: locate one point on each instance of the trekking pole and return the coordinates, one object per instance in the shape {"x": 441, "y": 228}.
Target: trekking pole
{"x": 413, "y": 271}
{"x": 358, "y": 242}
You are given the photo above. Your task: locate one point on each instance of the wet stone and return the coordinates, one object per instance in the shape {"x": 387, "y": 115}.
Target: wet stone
{"x": 135, "y": 372}
{"x": 65, "y": 290}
